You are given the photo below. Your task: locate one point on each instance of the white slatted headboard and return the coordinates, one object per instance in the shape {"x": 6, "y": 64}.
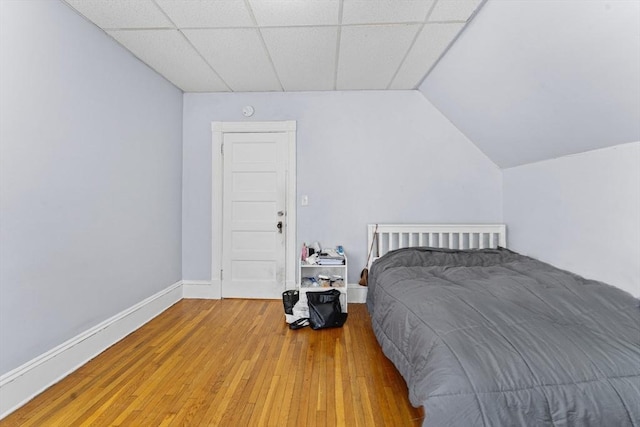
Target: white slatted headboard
{"x": 451, "y": 236}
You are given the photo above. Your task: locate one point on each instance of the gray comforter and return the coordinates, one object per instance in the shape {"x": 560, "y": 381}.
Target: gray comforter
{"x": 494, "y": 338}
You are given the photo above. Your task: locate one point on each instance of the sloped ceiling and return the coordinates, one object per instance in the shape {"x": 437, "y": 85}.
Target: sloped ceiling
{"x": 284, "y": 45}
{"x": 532, "y": 80}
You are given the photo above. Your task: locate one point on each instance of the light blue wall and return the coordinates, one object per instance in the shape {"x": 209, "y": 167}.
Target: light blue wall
{"x": 580, "y": 213}
{"x": 362, "y": 157}
{"x": 90, "y": 179}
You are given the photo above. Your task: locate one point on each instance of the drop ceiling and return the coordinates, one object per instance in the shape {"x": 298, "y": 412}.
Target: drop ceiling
{"x": 284, "y": 45}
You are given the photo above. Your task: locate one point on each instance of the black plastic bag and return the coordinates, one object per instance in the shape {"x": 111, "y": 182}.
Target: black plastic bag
{"x": 289, "y": 299}
{"x": 325, "y": 310}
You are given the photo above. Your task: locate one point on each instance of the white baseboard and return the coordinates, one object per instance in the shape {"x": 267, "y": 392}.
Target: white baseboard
{"x": 356, "y": 294}
{"x": 201, "y": 289}
{"x": 22, "y": 384}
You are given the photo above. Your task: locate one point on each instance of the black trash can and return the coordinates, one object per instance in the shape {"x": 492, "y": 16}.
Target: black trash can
{"x": 289, "y": 299}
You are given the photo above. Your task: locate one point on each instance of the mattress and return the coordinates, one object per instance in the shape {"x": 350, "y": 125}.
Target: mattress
{"x": 489, "y": 337}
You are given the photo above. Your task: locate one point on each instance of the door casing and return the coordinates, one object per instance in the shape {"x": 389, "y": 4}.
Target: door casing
{"x": 218, "y": 130}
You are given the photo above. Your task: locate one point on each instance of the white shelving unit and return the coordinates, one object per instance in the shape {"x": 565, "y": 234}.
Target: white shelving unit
{"x": 313, "y": 270}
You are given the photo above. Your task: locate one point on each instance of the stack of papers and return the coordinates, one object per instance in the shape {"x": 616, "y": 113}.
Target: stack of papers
{"x": 330, "y": 259}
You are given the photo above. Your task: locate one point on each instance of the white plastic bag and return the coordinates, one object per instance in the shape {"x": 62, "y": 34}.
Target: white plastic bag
{"x": 300, "y": 311}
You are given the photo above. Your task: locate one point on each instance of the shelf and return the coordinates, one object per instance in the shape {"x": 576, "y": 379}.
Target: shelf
{"x": 321, "y": 265}
{"x": 313, "y": 270}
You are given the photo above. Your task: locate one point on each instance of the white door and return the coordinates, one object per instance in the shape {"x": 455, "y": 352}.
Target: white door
{"x": 254, "y": 214}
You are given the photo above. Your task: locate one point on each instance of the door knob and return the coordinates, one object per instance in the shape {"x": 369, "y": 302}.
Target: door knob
{"x": 279, "y": 227}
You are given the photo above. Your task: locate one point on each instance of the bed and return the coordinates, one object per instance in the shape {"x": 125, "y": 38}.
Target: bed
{"x": 484, "y": 336}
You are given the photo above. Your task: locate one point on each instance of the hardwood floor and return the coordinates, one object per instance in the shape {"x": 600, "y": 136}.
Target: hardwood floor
{"x": 231, "y": 363}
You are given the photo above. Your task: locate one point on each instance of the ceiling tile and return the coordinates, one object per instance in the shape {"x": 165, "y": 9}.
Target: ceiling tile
{"x": 304, "y": 57}
{"x": 384, "y": 11}
{"x": 287, "y": 12}
{"x": 216, "y": 46}
{"x": 454, "y": 10}
{"x": 207, "y": 13}
{"x": 370, "y": 55}
{"x": 169, "y": 53}
{"x": 117, "y": 14}
{"x": 238, "y": 56}
{"x": 432, "y": 41}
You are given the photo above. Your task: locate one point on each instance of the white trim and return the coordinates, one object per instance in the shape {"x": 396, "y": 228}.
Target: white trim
{"x": 218, "y": 129}
{"x": 201, "y": 289}
{"x": 242, "y": 127}
{"x": 455, "y": 236}
{"x": 291, "y": 284}
{"x": 216, "y": 205}
{"x": 291, "y": 255}
{"x": 22, "y": 384}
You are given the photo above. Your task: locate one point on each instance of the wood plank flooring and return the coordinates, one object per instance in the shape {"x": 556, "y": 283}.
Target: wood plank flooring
{"x": 231, "y": 363}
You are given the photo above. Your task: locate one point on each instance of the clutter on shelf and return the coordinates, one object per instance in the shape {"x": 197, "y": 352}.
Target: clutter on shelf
{"x": 318, "y": 266}
{"x": 322, "y": 281}
{"x": 315, "y": 255}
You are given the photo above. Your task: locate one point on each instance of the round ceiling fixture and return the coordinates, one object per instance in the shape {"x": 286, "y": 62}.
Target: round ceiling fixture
{"x": 248, "y": 111}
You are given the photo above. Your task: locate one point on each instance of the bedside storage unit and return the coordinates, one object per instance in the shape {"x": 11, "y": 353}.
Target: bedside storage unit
{"x": 314, "y": 270}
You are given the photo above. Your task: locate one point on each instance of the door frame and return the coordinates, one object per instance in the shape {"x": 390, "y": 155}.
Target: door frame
{"x": 218, "y": 129}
